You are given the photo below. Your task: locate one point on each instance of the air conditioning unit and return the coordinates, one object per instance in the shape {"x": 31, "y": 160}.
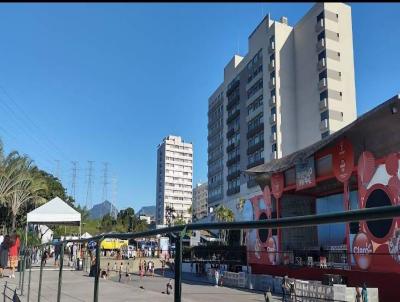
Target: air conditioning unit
{"x": 320, "y": 44}
{"x": 321, "y": 64}
{"x": 320, "y": 25}
{"x": 324, "y": 125}
{"x": 323, "y": 104}
{"x": 322, "y": 84}
{"x": 272, "y": 101}
{"x": 272, "y": 118}
{"x": 271, "y": 65}
{"x": 272, "y": 137}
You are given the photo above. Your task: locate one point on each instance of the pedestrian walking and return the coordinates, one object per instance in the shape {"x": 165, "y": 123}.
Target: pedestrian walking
{"x": 13, "y": 253}
{"x": 108, "y": 269}
{"x": 4, "y": 247}
{"x": 284, "y": 286}
{"x": 169, "y": 286}
{"x": 162, "y": 266}
{"x": 364, "y": 293}
{"x": 57, "y": 250}
{"x": 358, "y": 294}
{"x": 121, "y": 268}
{"x": 127, "y": 273}
{"x": 151, "y": 268}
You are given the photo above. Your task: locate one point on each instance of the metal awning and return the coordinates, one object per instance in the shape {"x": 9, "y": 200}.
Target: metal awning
{"x": 377, "y": 131}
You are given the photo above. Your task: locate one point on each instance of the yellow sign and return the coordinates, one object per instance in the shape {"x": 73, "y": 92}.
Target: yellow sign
{"x": 113, "y": 244}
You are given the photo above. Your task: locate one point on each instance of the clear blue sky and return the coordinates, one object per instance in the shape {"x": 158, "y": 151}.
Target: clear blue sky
{"x": 106, "y": 82}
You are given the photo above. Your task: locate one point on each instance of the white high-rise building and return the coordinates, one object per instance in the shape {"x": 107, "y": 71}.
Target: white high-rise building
{"x": 294, "y": 87}
{"x": 174, "y": 180}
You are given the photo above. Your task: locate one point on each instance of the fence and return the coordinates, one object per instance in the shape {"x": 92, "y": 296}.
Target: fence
{"x": 377, "y": 213}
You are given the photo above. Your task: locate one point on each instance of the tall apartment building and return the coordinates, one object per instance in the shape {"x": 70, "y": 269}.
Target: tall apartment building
{"x": 199, "y": 207}
{"x": 174, "y": 179}
{"x": 294, "y": 87}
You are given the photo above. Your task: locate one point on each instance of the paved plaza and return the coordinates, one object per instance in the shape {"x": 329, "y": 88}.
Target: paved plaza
{"x": 77, "y": 286}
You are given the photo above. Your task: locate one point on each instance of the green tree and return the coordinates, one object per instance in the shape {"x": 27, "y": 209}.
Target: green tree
{"x": 224, "y": 214}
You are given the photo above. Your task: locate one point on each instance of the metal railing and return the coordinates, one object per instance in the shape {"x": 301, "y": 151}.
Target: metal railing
{"x": 377, "y": 213}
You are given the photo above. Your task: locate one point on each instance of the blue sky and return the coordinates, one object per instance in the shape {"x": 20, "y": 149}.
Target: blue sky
{"x": 106, "y": 82}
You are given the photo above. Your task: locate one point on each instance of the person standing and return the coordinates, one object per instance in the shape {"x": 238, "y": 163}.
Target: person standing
{"x": 216, "y": 275}
{"x": 57, "y": 251}
{"x": 284, "y": 287}
{"x": 4, "y": 246}
{"x": 13, "y": 253}
{"x": 162, "y": 266}
{"x": 364, "y": 293}
{"x": 121, "y": 268}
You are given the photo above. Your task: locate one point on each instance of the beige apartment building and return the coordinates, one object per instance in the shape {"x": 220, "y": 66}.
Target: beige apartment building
{"x": 294, "y": 87}
{"x": 199, "y": 205}
{"x": 174, "y": 180}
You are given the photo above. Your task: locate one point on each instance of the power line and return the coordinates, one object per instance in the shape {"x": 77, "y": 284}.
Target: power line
{"x": 74, "y": 174}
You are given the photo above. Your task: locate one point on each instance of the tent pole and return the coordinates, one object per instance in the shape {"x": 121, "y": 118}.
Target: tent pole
{"x": 26, "y": 233}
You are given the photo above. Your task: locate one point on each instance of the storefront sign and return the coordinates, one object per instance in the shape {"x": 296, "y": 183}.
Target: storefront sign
{"x": 362, "y": 249}
{"x": 277, "y": 183}
{"x": 305, "y": 174}
{"x": 343, "y": 160}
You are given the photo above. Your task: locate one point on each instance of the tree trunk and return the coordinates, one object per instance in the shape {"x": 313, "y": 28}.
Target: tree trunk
{"x": 14, "y": 221}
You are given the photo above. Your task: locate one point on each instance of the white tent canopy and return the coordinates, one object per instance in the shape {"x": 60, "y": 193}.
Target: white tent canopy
{"x": 86, "y": 235}
{"x": 55, "y": 211}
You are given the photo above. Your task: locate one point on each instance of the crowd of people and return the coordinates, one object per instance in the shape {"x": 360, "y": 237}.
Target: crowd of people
{"x": 9, "y": 253}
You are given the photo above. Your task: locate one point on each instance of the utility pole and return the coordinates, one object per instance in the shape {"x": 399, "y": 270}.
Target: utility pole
{"x": 89, "y": 197}
{"x": 74, "y": 174}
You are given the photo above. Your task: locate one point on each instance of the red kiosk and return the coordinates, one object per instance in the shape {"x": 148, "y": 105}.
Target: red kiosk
{"x": 356, "y": 167}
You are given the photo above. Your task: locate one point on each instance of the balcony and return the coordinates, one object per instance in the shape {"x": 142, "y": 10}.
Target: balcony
{"x": 272, "y": 83}
{"x": 272, "y": 101}
{"x": 232, "y": 88}
{"x": 255, "y": 147}
{"x": 255, "y": 163}
{"x": 233, "y": 116}
{"x": 273, "y": 137}
{"x": 323, "y": 104}
{"x": 255, "y": 130}
{"x": 320, "y": 25}
{"x": 320, "y": 44}
{"x": 324, "y": 125}
{"x": 272, "y": 119}
{"x": 230, "y": 147}
{"x": 271, "y": 47}
{"x": 233, "y": 175}
{"x": 230, "y": 133}
{"x": 232, "y": 102}
{"x": 271, "y": 65}
{"x": 322, "y": 84}
{"x": 321, "y": 64}
{"x": 274, "y": 155}
{"x": 233, "y": 160}
{"x": 232, "y": 191}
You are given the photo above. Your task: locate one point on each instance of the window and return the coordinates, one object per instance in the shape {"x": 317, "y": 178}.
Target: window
{"x": 324, "y": 115}
{"x": 272, "y": 75}
{"x": 320, "y": 16}
{"x": 273, "y": 129}
{"x": 323, "y": 75}
{"x": 321, "y": 35}
{"x": 272, "y": 58}
{"x": 322, "y": 55}
{"x": 271, "y": 40}
{"x": 323, "y": 95}
{"x": 273, "y": 92}
{"x": 274, "y": 147}
{"x": 273, "y": 111}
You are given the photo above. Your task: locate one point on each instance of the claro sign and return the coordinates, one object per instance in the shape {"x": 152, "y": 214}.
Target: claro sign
{"x": 362, "y": 250}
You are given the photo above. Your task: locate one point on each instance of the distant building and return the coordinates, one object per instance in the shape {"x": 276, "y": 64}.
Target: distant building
{"x": 199, "y": 206}
{"x": 174, "y": 180}
{"x": 294, "y": 87}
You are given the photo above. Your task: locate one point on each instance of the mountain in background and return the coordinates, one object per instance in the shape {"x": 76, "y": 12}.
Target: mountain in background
{"x": 101, "y": 209}
{"x": 148, "y": 211}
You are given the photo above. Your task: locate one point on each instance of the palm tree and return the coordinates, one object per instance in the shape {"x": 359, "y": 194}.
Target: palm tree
{"x": 224, "y": 214}
{"x": 27, "y": 187}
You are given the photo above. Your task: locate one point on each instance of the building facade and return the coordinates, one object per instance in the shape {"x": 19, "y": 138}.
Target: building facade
{"x": 174, "y": 180}
{"x": 294, "y": 87}
{"x": 200, "y": 195}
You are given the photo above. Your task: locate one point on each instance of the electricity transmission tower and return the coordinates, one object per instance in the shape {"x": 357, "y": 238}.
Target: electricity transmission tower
{"x": 89, "y": 194}
{"x": 114, "y": 193}
{"x": 74, "y": 174}
{"x": 105, "y": 181}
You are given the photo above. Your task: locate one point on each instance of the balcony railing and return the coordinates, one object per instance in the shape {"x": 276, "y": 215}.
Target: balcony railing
{"x": 322, "y": 84}
{"x": 255, "y": 147}
{"x": 232, "y": 102}
{"x": 320, "y": 25}
{"x": 272, "y": 83}
{"x": 323, "y": 104}
{"x": 324, "y": 125}
{"x": 272, "y": 101}
{"x": 271, "y": 65}
{"x": 321, "y": 44}
{"x": 233, "y": 175}
{"x": 272, "y": 119}
{"x": 233, "y": 87}
{"x": 273, "y": 137}
{"x": 255, "y": 163}
{"x": 233, "y": 116}
{"x": 255, "y": 130}
{"x": 233, "y": 160}
{"x": 321, "y": 64}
